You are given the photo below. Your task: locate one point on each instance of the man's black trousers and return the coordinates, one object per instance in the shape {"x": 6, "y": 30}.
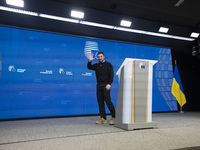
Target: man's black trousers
{"x": 104, "y": 95}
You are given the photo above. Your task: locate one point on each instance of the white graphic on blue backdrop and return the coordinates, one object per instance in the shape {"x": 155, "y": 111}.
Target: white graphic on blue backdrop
{"x": 91, "y": 47}
{"x": 164, "y": 76}
{"x": 69, "y": 73}
{"x": 46, "y": 72}
{"x": 11, "y": 68}
{"x": 62, "y": 71}
{"x": 87, "y": 74}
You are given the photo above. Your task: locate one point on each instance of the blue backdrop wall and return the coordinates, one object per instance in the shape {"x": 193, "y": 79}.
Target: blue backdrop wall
{"x": 45, "y": 74}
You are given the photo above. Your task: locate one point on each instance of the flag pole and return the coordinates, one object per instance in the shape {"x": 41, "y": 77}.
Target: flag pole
{"x": 181, "y": 110}
{"x": 177, "y": 88}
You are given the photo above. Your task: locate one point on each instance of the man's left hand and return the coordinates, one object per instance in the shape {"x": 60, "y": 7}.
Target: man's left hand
{"x": 108, "y": 86}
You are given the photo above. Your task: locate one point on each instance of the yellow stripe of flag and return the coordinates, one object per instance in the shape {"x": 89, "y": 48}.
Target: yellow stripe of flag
{"x": 177, "y": 88}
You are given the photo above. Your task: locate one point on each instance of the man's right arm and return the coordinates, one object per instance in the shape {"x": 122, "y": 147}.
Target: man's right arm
{"x": 89, "y": 64}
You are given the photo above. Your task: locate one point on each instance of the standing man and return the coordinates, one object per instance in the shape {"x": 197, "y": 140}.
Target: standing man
{"x": 104, "y": 75}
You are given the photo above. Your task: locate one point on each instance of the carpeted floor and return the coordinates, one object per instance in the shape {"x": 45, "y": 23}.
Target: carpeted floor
{"x": 175, "y": 131}
{"x": 189, "y": 148}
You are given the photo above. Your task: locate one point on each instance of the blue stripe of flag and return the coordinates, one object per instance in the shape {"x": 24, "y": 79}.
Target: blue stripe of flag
{"x": 177, "y": 77}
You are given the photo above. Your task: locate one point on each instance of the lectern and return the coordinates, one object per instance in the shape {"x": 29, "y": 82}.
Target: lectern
{"x": 134, "y": 101}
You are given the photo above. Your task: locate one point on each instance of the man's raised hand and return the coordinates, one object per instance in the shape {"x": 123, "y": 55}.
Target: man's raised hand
{"x": 91, "y": 57}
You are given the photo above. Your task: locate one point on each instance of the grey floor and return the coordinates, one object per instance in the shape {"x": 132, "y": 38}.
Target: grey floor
{"x": 175, "y": 131}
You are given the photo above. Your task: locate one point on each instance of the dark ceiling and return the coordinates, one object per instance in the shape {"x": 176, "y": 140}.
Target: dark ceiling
{"x": 187, "y": 14}
{"x": 181, "y": 16}
{"x": 147, "y": 15}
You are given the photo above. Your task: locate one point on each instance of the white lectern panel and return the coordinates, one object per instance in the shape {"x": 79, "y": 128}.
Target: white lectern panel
{"x": 127, "y": 88}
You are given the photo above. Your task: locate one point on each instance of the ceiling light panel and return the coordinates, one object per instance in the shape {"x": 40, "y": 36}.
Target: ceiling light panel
{"x": 163, "y": 29}
{"x": 125, "y": 23}
{"x": 77, "y": 14}
{"x": 194, "y": 35}
{"x": 19, "y": 3}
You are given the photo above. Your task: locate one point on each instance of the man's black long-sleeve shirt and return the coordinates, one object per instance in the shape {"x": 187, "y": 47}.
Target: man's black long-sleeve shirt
{"x": 104, "y": 72}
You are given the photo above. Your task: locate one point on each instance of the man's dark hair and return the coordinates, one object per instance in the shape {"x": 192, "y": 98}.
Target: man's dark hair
{"x": 100, "y": 53}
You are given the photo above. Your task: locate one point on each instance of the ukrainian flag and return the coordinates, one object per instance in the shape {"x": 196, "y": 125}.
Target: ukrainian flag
{"x": 177, "y": 88}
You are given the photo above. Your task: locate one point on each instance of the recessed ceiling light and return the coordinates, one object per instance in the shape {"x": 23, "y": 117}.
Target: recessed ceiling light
{"x": 77, "y": 14}
{"x": 194, "y": 35}
{"x": 163, "y": 29}
{"x": 125, "y": 23}
{"x": 19, "y": 3}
